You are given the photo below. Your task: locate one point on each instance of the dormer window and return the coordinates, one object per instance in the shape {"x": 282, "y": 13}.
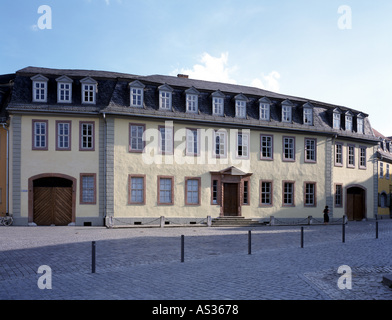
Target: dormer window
{"x": 217, "y": 103}
{"x": 360, "y": 124}
{"x": 40, "y": 88}
{"x": 89, "y": 90}
{"x": 308, "y": 114}
{"x": 64, "y": 89}
{"x": 136, "y": 92}
{"x": 265, "y": 109}
{"x": 165, "y": 97}
{"x": 349, "y": 121}
{"x": 336, "y": 119}
{"x": 240, "y": 106}
{"x": 287, "y": 111}
{"x": 192, "y": 97}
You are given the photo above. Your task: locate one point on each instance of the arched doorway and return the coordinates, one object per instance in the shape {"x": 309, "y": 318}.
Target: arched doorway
{"x": 52, "y": 200}
{"x": 356, "y": 203}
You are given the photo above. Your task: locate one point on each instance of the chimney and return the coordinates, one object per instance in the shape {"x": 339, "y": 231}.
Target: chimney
{"x": 185, "y": 76}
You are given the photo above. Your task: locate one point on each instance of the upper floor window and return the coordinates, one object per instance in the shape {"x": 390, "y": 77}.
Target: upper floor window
{"x": 192, "y": 97}
{"x": 220, "y": 144}
{"x": 287, "y": 110}
{"x": 40, "y": 88}
{"x": 362, "y": 157}
{"x": 350, "y": 156}
{"x": 165, "y": 97}
{"x": 336, "y": 119}
{"x": 349, "y": 121}
{"x": 267, "y": 152}
{"x": 242, "y": 145}
{"x": 89, "y": 90}
{"x": 264, "y": 109}
{"x": 240, "y": 106}
{"x": 310, "y": 150}
{"x": 136, "y": 91}
{"x": 136, "y": 135}
{"x": 40, "y": 134}
{"x": 192, "y": 142}
{"x": 288, "y": 149}
{"x": 166, "y": 140}
{"x": 86, "y": 136}
{"x": 63, "y": 135}
{"x": 338, "y": 154}
{"x": 64, "y": 89}
{"x": 218, "y": 103}
{"x": 308, "y": 114}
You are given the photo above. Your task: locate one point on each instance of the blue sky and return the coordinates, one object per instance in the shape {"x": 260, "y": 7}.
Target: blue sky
{"x": 304, "y": 48}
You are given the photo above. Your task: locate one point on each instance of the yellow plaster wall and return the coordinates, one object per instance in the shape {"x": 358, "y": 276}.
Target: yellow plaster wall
{"x": 355, "y": 176}
{"x": 133, "y": 163}
{"x": 70, "y": 163}
{"x": 384, "y": 185}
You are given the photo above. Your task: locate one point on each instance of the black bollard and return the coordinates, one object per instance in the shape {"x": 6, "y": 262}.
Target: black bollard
{"x": 93, "y": 257}
{"x": 302, "y": 237}
{"x": 343, "y": 233}
{"x": 376, "y": 229}
{"x": 249, "y": 242}
{"x": 182, "y": 248}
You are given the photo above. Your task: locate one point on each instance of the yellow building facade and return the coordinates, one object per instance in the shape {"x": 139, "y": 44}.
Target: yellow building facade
{"x": 102, "y": 148}
{"x": 384, "y": 157}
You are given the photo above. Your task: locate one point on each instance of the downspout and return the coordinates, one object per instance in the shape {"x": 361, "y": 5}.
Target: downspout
{"x": 7, "y": 170}
{"x": 104, "y": 169}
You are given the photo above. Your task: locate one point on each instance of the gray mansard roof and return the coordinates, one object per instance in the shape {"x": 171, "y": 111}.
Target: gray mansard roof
{"x": 113, "y": 97}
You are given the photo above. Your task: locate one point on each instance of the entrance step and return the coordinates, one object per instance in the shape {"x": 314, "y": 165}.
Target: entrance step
{"x": 234, "y": 222}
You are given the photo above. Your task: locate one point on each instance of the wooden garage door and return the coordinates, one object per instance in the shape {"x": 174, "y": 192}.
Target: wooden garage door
{"x": 52, "y": 205}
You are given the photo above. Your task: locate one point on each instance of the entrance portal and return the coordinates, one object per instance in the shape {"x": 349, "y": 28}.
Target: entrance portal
{"x": 356, "y": 203}
{"x": 230, "y": 205}
{"x": 51, "y": 200}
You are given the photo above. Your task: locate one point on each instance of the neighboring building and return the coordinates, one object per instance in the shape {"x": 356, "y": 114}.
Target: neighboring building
{"x": 384, "y": 156}
{"x": 94, "y": 147}
{"x": 6, "y": 83}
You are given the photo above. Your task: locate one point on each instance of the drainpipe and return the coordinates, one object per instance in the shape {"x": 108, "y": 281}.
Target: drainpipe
{"x": 7, "y": 169}
{"x": 104, "y": 169}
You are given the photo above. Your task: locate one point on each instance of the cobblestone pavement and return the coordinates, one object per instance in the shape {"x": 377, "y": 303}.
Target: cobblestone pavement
{"x": 144, "y": 263}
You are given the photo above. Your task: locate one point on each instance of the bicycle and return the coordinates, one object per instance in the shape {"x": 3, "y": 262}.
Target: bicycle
{"x": 6, "y": 221}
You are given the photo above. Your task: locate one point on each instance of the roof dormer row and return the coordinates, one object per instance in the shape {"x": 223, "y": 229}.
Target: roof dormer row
{"x": 89, "y": 90}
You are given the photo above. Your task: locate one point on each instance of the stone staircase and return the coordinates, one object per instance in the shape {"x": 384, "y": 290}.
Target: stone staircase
{"x": 234, "y": 222}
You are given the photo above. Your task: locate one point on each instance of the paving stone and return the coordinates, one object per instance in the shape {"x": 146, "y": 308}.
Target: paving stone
{"x": 144, "y": 264}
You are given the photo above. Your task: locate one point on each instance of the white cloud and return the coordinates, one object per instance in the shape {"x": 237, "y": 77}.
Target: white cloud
{"x": 268, "y": 82}
{"x": 211, "y": 69}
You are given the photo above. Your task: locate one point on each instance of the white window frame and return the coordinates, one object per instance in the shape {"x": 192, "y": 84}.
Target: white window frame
{"x": 336, "y": 120}
{"x": 217, "y": 106}
{"x": 40, "y": 92}
{"x": 349, "y": 123}
{"x": 165, "y": 100}
{"x": 136, "y": 97}
{"x": 240, "y": 109}
{"x": 287, "y": 114}
{"x": 192, "y": 103}
{"x": 308, "y": 116}
{"x": 264, "y": 111}
{"x": 89, "y": 91}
